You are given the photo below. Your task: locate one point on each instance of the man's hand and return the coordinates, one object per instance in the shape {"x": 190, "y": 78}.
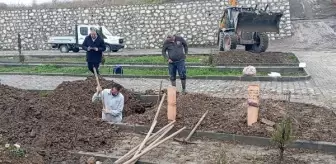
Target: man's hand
{"x": 89, "y": 48}
{"x": 99, "y": 89}
{"x": 96, "y": 49}
{"x": 170, "y": 61}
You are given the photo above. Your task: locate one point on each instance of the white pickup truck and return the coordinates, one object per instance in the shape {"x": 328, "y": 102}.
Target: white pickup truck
{"x": 74, "y": 43}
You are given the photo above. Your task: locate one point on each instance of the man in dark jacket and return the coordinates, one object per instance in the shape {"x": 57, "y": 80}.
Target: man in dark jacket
{"x": 174, "y": 51}
{"x": 94, "y": 46}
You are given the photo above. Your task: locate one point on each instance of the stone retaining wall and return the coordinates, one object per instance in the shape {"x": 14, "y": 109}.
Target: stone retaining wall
{"x": 143, "y": 26}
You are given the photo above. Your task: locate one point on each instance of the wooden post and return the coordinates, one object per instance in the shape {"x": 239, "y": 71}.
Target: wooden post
{"x": 253, "y": 104}
{"x": 171, "y": 101}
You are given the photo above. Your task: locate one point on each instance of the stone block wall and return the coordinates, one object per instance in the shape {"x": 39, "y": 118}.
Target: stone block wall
{"x": 142, "y": 26}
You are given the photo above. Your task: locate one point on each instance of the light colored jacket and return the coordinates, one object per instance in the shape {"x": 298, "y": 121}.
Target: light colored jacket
{"x": 113, "y": 104}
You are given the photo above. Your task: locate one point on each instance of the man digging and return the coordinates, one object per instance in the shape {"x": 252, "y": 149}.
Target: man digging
{"x": 94, "y": 46}
{"x": 113, "y": 103}
{"x": 174, "y": 51}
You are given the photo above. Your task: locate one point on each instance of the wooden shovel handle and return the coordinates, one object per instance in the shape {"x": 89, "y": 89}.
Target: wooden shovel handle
{"x": 98, "y": 84}
{"x": 95, "y": 73}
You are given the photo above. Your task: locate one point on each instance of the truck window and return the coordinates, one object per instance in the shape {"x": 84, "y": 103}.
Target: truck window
{"x": 84, "y": 31}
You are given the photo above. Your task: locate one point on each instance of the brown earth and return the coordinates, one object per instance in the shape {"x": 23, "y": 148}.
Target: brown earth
{"x": 243, "y": 57}
{"x": 62, "y": 120}
{"x": 229, "y": 116}
{"x": 31, "y": 158}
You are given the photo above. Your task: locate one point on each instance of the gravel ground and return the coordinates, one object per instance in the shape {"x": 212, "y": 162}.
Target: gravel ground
{"x": 205, "y": 152}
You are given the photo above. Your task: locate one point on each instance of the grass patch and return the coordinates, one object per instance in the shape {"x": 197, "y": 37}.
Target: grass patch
{"x": 129, "y": 71}
{"x": 113, "y": 59}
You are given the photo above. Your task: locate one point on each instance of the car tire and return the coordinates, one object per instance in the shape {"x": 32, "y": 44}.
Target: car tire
{"x": 75, "y": 50}
{"x": 108, "y": 48}
{"x": 64, "y": 49}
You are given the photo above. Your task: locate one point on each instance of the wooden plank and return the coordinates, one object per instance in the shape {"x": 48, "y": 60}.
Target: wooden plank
{"x": 171, "y": 100}
{"x": 253, "y": 111}
{"x": 267, "y": 122}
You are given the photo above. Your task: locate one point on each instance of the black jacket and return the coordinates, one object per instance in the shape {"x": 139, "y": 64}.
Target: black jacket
{"x": 92, "y": 55}
{"x": 176, "y": 51}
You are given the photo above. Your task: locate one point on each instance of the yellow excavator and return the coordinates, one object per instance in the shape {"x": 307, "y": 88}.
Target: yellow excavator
{"x": 246, "y": 26}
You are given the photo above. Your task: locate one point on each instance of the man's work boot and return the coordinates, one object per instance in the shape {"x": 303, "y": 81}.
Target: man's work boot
{"x": 173, "y": 83}
{"x": 183, "y": 82}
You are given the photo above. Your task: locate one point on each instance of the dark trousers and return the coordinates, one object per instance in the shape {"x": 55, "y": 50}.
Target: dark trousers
{"x": 92, "y": 65}
{"x": 178, "y": 66}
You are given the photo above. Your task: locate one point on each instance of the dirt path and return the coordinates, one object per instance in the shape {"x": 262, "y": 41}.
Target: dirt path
{"x": 309, "y": 35}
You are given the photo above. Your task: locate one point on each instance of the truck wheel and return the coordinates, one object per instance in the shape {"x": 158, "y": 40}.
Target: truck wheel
{"x": 234, "y": 41}
{"x": 108, "y": 48}
{"x": 114, "y": 49}
{"x": 221, "y": 41}
{"x": 261, "y": 43}
{"x": 75, "y": 49}
{"x": 248, "y": 47}
{"x": 64, "y": 48}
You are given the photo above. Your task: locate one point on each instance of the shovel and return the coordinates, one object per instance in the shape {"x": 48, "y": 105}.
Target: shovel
{"x": 98, "y": 84}
{"x": 186, "y": 140}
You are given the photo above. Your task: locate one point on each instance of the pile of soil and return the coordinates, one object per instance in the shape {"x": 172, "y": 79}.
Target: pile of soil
{"x": 245, "y": 57}
{"x": 64, "y": 119}
{"x": 229, "y": 116}
{"x": 77, "y": 95}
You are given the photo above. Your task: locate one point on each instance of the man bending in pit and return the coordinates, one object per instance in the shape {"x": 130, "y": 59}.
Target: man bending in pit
{"x": 113, "y": 103}
{"x": 174, "y": 51}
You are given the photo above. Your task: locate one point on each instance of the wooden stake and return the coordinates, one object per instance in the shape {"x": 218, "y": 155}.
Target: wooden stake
{"x": 152, "y": 126}
{"x": 253, "y": 108}
{"x": 196, "y": 126}
{"x": 160, "y": 137}
{"x": 171, "y": 100}
{"x": 159, "y": 108}
{"x": 159, "y": 93}
{"x": 146, "y": 138}
{"x": 151, "y": 138}
{"x": 134, "y": 159}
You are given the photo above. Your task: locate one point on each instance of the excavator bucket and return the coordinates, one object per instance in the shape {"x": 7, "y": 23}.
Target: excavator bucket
{"x": 252, "y": 21}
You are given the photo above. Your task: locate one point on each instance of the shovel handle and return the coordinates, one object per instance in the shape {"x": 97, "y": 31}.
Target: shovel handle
{"x": 95, "y": 73}
{"x": 98, "y": 84}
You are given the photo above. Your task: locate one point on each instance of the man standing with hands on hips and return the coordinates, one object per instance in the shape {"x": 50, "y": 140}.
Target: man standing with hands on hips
{"x": 94, "y": 46}
{"x": 174, "y": 51}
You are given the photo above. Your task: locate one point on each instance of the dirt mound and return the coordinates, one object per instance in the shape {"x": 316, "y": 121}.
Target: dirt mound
{"x": 64, "y": 119}
{"x": 229, "y": 116}
{"x": 76, "y": 96}
{"x": 245, "y": 57}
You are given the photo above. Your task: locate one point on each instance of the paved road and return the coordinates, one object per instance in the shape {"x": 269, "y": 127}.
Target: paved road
{"x": 321, "y": 89}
